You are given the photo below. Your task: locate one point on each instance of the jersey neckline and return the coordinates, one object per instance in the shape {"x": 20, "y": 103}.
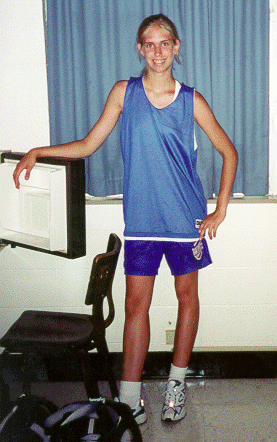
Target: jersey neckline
{"x": 177, "y": 91}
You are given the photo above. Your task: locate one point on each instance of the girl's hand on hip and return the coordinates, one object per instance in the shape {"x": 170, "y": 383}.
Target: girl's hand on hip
{"x": 211, "y": 223}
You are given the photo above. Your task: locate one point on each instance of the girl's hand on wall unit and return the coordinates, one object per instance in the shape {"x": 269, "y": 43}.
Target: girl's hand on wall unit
{"x": 27, "y": 163}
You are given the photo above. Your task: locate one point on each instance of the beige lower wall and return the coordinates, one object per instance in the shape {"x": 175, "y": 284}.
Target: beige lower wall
{"x": 237, "y": 292}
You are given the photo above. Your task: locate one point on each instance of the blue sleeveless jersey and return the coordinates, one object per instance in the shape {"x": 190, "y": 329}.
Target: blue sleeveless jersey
{"x": 162, "y": 193}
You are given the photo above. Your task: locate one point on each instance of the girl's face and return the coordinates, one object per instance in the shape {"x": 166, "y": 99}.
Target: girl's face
{"x": 158, "y": 49}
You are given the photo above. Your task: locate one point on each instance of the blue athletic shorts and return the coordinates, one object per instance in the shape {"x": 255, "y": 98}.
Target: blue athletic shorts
{"x": 143, "y": 258}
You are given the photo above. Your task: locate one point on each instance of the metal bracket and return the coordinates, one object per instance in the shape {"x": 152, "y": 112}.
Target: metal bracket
{"x": 2, "y": 245}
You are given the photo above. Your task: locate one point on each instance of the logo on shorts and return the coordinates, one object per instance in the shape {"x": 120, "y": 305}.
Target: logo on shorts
{"x": 197, "y": 250}
{"x": 198, "y": 223}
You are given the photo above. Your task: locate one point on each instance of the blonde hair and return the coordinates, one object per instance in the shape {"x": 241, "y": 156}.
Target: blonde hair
{"x": 164, "y": 22}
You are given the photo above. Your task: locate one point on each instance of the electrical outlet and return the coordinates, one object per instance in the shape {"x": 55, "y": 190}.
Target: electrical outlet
{"x": 169, "y": 337}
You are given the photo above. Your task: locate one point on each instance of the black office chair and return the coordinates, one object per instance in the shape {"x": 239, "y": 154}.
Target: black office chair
{"x": 45, "y": 333}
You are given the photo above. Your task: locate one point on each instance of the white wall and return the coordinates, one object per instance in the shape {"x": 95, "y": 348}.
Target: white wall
{"x": 23, "y": 86}
{"x": 237, "y": 293}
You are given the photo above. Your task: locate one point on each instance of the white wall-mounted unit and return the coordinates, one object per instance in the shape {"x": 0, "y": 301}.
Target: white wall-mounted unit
{"x": 47, "y": 213}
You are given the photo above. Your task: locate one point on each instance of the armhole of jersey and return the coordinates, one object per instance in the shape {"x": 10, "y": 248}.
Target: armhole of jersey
{"x": 195, "y": 142}
{"x": 125, "y": 95}
{"x": 177, "y": 89}
{"x": 194, "y": 135}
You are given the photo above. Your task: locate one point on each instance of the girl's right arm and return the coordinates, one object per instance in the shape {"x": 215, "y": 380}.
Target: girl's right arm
{"x": 82, "y": 148}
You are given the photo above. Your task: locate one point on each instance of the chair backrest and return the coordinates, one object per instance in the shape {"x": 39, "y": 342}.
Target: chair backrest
{"x": 101, "y": 279}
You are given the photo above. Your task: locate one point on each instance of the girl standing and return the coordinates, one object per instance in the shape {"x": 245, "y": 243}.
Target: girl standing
{"x": 165, "y": 211}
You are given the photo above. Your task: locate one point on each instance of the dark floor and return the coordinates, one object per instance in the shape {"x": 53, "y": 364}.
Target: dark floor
{"x": 232, "y": 397}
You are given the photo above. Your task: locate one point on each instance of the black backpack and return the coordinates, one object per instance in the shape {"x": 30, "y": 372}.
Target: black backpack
{"x": 98, "y": 420}
{"x": 25, "y": 420}
{"x": 35, "y": 419}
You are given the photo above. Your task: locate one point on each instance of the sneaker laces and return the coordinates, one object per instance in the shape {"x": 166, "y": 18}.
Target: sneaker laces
{"x": 174, "y": 393}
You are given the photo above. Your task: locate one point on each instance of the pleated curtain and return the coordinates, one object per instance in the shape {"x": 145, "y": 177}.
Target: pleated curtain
{"x": 224, "y": 54}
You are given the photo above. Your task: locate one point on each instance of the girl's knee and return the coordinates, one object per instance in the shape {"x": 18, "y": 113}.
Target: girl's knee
{"x": 135, "y": 305}
{"x": 188, "y": 296}
{"x": 138, "y": 295}
{"x": 187, "y": 288}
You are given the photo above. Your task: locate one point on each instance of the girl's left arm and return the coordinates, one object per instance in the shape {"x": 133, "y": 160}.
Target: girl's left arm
{"x": 204, "y": 116}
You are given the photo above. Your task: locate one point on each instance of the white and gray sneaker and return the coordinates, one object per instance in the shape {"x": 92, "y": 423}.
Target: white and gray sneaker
{"x": 139, "y": 412}
{"x": 174, "y": 407}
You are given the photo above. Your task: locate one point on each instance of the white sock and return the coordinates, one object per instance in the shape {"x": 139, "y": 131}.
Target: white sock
{"x": 177, "y": 373}
{"x": 130, "y": 393}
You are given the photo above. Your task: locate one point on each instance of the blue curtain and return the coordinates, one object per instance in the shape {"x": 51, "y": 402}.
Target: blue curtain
{"x": 91, "y": 45}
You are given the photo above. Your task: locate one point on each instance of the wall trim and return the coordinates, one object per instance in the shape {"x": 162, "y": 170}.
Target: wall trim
{"x": 205, "y": 365}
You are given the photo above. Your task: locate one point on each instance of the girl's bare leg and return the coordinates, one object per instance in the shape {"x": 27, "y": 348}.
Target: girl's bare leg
{"x": 188, "y": 317}
{"x": 136, "y": 338}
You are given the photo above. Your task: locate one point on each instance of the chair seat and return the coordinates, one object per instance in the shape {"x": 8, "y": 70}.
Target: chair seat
{"x": 44, "y": 333}
{"x": 51, "y": 329}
